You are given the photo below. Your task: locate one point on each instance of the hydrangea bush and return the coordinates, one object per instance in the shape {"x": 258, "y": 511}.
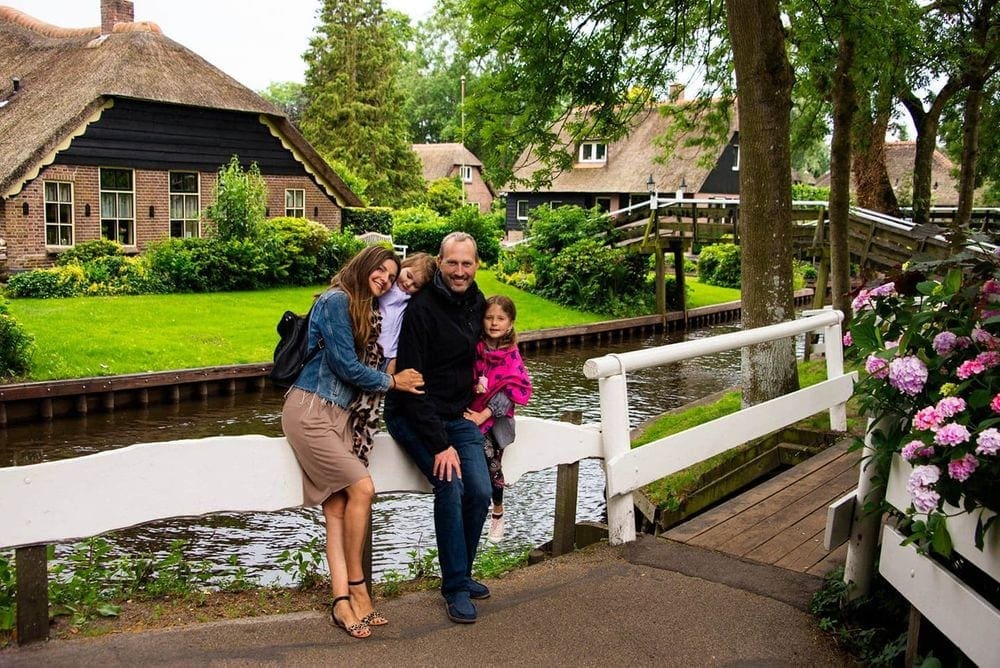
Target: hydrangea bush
{"x": 931, "y": 351}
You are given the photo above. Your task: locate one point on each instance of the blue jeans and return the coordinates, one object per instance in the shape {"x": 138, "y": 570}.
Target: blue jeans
{"x": 460, "y": 506}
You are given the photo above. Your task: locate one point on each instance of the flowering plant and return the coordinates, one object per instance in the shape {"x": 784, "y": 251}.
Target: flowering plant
{"x": 931, "y": 351}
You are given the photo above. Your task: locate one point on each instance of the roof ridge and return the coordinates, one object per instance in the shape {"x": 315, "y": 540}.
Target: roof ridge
{"x": 18, "y": 17}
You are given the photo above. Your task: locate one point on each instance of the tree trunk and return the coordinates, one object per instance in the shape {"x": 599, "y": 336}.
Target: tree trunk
{"x": 926, "y": 123}
{"x": 845, "y": 104}
{"x": 871, "y": 178}
{"x": 970, "y": 158}
{"x": 764, "y": 89}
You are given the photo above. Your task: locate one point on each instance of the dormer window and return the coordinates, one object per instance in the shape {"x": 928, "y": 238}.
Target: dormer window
{"x": 466, "y": 173}
{"x": 593, "y": 151}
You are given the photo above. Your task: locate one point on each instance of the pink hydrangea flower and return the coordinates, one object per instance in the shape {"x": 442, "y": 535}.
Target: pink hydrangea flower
{"x": 952, "y": 434}
{"x": 961, "y": 469}
{"x": 884, "y": 290}
{"x": 988, "y": 442}
{"x": 907, "y": 374}
{"x": 924, "y": 499}
{"x": 848, "y": 340}
{"x": 944, "y": 343}
{"x": 989, "y": 359}
{"x": 969, "y": 368}
{"x": 876, "y": 366}
{"x": 995, "y": 404}
{"x": 927, "y": 419}
{"x": 915, "y": 449}
{"x": 991, "y": 287}
{"x": 950, "y": 406}
{"x": 861, "y": 302}
{"x": 990, "y": 313}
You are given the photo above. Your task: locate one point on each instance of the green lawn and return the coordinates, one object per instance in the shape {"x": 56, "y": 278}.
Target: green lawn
{"x": 100, "y": 336}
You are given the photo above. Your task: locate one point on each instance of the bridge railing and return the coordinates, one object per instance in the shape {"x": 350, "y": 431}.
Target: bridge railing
{"x": 629, "y": 469}
{"x": 69, "y": 499}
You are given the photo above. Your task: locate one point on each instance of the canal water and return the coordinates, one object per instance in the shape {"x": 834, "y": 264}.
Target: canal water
{"x": 402, "y": 523}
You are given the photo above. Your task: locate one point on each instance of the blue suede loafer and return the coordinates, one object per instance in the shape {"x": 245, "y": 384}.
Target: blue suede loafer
{"x": 477, "y": 590}
{"x": 460, "y": 609}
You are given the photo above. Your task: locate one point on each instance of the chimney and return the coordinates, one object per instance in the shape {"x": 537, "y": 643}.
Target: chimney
{"x": 676, "y": 92}
{"x": 115, "y": 11}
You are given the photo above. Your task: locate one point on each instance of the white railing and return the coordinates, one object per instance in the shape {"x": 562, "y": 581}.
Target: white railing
{"x": 629, "y": 469}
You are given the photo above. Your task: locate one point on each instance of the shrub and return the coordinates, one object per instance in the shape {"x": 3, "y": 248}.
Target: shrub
{"x": 240, "y": 201}
{"x": 414, "y": 215}
{"x": 16, "y": 345}
{"x": 487, "y": 230}
{"x": 89, "y": 250}
{"x": 720, "y": 265}
{"x": 292, "y": 248}
{"x": 424, "y": 237}
{"x": 120, "y": 275}
{"x": 598, "y": 278}
{"x": 65, "y": 281}
{"x": 372, "y": 219}
{"x": 551, "y": 230}
{"x": 805, "y": 192}
{"x": 444, "y": 195}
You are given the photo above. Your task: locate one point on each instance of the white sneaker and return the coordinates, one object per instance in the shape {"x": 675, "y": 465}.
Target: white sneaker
{"x": 495, "y": 534}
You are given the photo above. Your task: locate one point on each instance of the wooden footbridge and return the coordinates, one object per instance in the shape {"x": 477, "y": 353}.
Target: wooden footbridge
{"x": 876, "y": 242}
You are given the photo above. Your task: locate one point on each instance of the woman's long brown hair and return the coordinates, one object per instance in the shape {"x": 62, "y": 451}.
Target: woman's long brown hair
{"x": 353, "y": 280}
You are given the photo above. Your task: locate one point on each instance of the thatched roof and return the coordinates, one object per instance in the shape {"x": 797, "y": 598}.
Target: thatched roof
{"x": 67, "y": 76}
{"x": 439, "y": 160}
{"x": 899, "y": 164}
{"x": 632, "y": 159}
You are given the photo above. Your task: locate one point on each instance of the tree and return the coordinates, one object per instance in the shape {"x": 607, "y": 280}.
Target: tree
{"x": 764, "y": 86}
{"x": 354, "y": 114}
{"x": 545, "y": 62}
{"x": 240, "y": 201}
{"x": 287, "y": 96}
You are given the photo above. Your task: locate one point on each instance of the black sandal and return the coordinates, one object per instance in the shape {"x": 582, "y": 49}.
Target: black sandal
{"x": 359, "y": 630}
{"x": 373, "y": 618}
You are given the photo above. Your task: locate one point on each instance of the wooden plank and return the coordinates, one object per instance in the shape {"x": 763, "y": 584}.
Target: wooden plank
{"x": 804, "y": 556}
{"x": 790, "y": 539}
{"x": 705, "y": 521}
{"x": 788, "y": 514}
{"x": 832, "y": 560}
{"x": 839, "y": 516}
{"x": 641, "y": 466}
{"x": 964, "y": 616}
{"x": 32, "y": 593}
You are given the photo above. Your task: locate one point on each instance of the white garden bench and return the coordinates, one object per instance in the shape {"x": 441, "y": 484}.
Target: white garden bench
{"x": 372, "y": 238}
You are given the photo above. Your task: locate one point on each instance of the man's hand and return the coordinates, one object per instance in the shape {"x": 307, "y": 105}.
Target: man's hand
{"x": 447, "y": 462}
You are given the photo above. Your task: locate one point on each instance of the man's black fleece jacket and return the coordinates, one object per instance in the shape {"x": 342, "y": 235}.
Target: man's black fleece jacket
{"x": 438, "y": 338}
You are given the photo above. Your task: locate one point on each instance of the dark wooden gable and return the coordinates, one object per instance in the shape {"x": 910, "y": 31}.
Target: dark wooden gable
{"x": 150, "y": 135}
{"x": 723, "y": 179}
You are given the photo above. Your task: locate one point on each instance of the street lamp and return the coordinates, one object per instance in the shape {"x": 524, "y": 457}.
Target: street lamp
{"x": 681, "y": 188}
{"x": 651, "y": 188}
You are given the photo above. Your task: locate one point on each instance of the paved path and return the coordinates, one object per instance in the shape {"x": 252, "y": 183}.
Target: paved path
{"x": 652, "y": 603}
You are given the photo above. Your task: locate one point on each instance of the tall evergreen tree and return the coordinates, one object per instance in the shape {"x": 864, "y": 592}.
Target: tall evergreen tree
{"x": 354, "y": 111}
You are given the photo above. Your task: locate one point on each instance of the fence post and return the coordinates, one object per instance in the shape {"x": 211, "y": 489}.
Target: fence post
{"x": 615, "y": 439}
{"x": 32, "y": 587}
{"x": 567, "y": 485}
{"x": 833, "y": 342}
{"x": 859, "y": 566}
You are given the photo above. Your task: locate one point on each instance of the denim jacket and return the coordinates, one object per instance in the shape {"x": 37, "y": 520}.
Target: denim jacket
{"x": 336, "y": 373}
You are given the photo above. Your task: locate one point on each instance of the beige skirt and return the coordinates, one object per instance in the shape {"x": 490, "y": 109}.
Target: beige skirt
{"x": 320, "y": 434}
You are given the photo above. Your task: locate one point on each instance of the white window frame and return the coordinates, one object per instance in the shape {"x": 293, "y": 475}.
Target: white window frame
{"x": 295, "y": 202}
{"x": 519, "y": 205}
{"x": 736, "y": 164}
{"x": 593, "y": 152}
{"x": 189, "y": 217}
{"x": 465, "y": 171}
{"x": 118, "y": 208}
{"x": 63, "y": 210}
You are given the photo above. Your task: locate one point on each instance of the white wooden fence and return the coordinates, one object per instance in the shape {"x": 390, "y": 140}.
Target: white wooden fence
{"x": 75, "y": 498}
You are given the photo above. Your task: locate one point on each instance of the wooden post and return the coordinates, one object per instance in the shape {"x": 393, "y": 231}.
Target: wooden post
{"x": 661, "y": 278}
{"x": 679, "y": 278}
{"x": 859, "y": 567}
{"x": 912, "y": 638}
{"x": 567, "y": 485}
{"x": 32, "y": 587}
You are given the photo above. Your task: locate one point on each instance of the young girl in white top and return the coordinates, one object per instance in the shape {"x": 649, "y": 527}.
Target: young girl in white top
{"x": 415, "y": 272}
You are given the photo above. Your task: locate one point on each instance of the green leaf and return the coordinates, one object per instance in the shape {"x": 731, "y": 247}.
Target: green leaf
{"x": 108, "y": 610}
{"x": 941, "y": 540}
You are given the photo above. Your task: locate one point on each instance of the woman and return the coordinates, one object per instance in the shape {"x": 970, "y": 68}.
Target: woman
{"x": 319, "y": 425}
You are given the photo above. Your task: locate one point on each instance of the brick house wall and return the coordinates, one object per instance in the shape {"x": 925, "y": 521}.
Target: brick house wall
{"x": 25, "y": 234}
{"x": 476, "y": 191}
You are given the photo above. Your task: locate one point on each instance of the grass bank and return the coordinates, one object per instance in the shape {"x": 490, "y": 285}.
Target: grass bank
{"x": 101, "y": 336}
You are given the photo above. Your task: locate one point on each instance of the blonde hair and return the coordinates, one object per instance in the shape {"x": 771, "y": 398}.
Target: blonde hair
{"x": 353, "y": 280}
{"x": 424, "y": 263}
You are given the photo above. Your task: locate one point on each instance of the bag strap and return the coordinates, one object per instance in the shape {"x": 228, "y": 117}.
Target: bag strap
{"x": 319, "y": 344}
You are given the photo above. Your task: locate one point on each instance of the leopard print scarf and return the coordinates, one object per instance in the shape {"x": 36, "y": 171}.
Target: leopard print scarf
{"x": 366, "y": 409}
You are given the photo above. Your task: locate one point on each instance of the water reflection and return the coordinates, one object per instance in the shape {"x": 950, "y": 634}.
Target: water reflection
{"x": 402, "y": 523}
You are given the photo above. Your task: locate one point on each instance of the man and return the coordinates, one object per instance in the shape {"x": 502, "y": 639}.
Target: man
{"x": 438, "y": 338}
